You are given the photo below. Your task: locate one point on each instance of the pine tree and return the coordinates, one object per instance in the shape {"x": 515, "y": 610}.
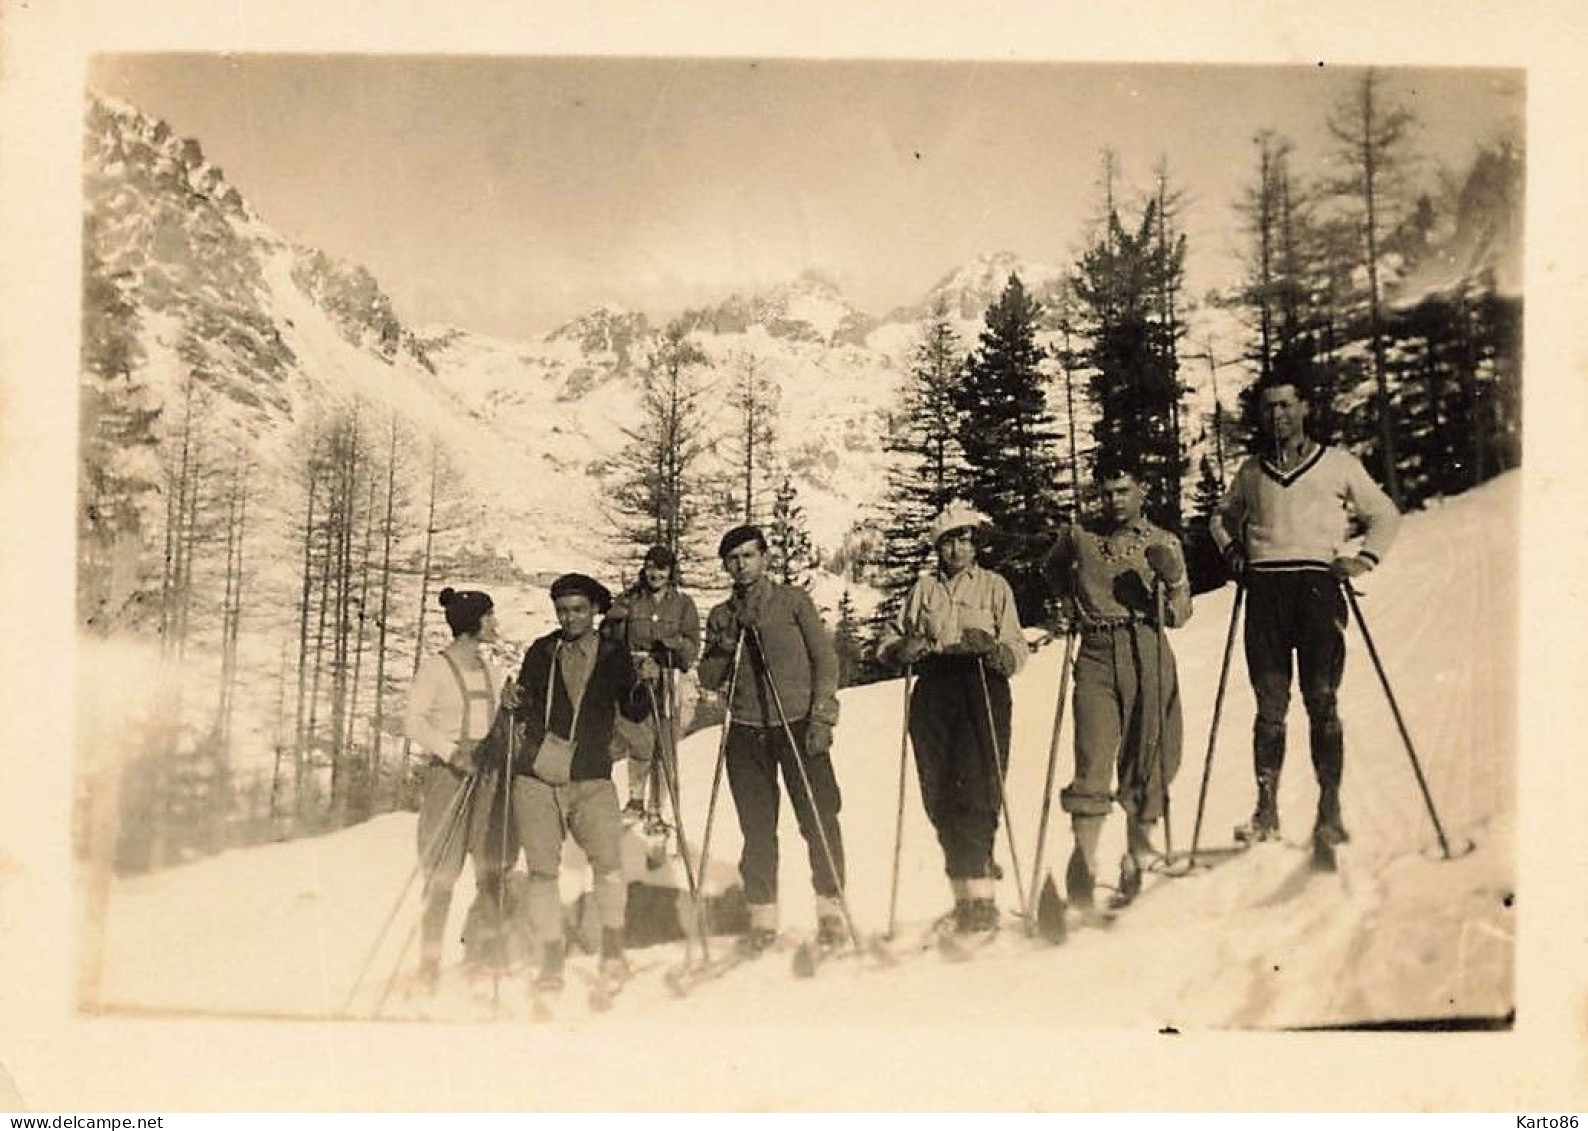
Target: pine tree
{"x": 1120, "y": 286}
{"x": 753, "y": 398}
{"x": 1373, "y": 135}
{"x": 789, "y": 540}
{"x": 664, "y": 492}
{"x": 1008, "y": 438}
{"x": 927, "y": 467}
{"x": 852, "y": 668}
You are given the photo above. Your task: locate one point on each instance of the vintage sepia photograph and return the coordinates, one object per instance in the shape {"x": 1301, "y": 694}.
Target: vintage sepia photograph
{"x": 610, "y": 553}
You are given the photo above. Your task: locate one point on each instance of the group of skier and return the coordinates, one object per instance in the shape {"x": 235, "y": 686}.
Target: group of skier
{"x": 592, "y": 693}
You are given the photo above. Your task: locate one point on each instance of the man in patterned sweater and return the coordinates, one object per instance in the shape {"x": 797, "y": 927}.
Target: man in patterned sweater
{"x": 1116, "y": 576}
{"x": 1283, "y": 526}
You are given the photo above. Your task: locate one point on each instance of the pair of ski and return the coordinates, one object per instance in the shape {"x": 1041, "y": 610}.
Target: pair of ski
{"x": 601, "y": 992}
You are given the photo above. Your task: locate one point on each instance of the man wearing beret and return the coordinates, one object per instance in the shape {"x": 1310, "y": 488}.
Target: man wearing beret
{"x": 572, "y": 687}
{"x": 959, "y": 628}
{"x": 654, "y": 618}
{"x": 1114, "y": 576}
{"x": 784, "y": 707}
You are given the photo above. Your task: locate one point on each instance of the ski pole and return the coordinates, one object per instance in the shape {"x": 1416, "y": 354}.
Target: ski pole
{"x": 1039, "y": 867}
{"x": 1417, "y": 768}
{"x": 669, "y": 778}
{"x": 810, "y": 793}
{"x": 702, "y": 925}
{"x": 431, "y": 850}
{"x": 1162, "y": 642}
{"x": 998, "y": 782}
{"x": 460, "y": 817}
{"x": 1213, "y": 729}
{"x": 898, "y": 827}
{"x": 668, "y": 770}
{"x": 510, "y": 757}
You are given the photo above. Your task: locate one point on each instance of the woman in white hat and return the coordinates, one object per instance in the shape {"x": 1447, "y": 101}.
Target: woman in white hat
{"x": 959, "y": 629}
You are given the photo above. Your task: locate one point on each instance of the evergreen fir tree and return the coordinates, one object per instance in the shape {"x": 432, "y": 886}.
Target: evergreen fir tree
{"x": 1010, "y": 443}
{"x": 927, "y": 467}
{"x": 788, "y": 538}
{"x": 664, "y": 494}
{"x": 1120, "y": 284}
{"x": 852, "y": 665}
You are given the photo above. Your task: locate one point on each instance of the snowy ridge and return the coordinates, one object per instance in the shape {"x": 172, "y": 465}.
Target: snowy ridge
{"x": 1257, "y": 941}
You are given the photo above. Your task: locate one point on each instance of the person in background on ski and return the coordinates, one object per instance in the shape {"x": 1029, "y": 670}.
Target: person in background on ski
{"x": 787, "y": 674}
{"x": 451, "y": 707}
{"x": 653, "y": 617}
{"x": 1113, "y": 575}
{"x": 1283, "y": 527}
{"x": 959, "y": 629}
{"x": 571, "y": 688}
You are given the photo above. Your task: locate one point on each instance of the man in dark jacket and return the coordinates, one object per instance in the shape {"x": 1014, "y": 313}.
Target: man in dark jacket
{"x": 657, "y": 619}
{"x": 572, "y": 687}
{"x": 784, "y": 706}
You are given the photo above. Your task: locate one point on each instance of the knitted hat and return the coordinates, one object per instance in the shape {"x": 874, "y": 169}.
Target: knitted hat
{"x": 738, "y": 536}
{"x": 578, "y": 584}
{"x": 956, "y": 516}
{"x": 465, "y": 608}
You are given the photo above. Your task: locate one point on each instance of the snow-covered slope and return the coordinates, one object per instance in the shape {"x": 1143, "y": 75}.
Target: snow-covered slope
{"x": 1257, "y": 941}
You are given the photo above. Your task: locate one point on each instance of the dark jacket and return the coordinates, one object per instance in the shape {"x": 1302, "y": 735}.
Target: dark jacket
{"x": 799, "y": 659}
{"x": 665, "y": 625}
{"x": 613, "y": 686}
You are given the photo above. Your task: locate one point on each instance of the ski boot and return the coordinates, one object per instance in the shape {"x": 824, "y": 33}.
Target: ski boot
{"x": 755, "y": 940}
{"x": 982, "y": 915}
{"x": 831, "y": 933}
{"x": 1129, "y": 883}
{"x": 550, "y": 978}
{"x": 1078, "y": 882}
{"x": 1329, "y": 825}
{"x": 1264, "y": 822}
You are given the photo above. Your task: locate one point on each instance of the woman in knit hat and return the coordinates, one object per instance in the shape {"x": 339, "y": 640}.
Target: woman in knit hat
{"x": 959, "y": 629}
{"x": 452, "y": 705}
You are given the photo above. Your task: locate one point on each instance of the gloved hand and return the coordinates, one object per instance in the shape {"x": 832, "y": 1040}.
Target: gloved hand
{"x": 912, "y": 648}
{"x": 465, "y": 755}
{"x": 1235, "y": 559}
{"x": 1347, "y": 568}
{"x": 512, "y": 695}
{"x": 818, "y": 737}
{"x": 649, "y": 670}
{"x": 978, "y": 641}
{"x": 997, "y": 661}
{"x": 1165, "y": 563}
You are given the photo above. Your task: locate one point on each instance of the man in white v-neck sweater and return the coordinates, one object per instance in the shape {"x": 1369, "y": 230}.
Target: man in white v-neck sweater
{"x": 1283, "y": 527}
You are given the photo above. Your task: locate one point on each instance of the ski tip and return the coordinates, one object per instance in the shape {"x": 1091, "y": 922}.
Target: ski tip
{"x": 804, "y": 961}
{"x": 1050, "y": 925}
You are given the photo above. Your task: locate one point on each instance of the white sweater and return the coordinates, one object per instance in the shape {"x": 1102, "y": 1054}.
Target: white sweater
{"x": 435, "y": 715}
{"x": 1301, "y": 519}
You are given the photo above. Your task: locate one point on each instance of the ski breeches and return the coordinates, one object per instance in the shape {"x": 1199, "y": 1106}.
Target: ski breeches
{"x": 954, "y": 759}
{"x": 544, "y": 815}
{"x": 1127, "y": 722}
{"x": 452, "y": 826}
{"x": 1300, "y": 612}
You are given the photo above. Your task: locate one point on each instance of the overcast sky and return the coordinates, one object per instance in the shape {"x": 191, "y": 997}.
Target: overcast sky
{"x": 509, "y": 195}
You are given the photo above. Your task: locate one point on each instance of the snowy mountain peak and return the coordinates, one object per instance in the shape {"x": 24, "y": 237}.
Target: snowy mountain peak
{"x": 971, "y": 288}
{"x": 608, "y": 333}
